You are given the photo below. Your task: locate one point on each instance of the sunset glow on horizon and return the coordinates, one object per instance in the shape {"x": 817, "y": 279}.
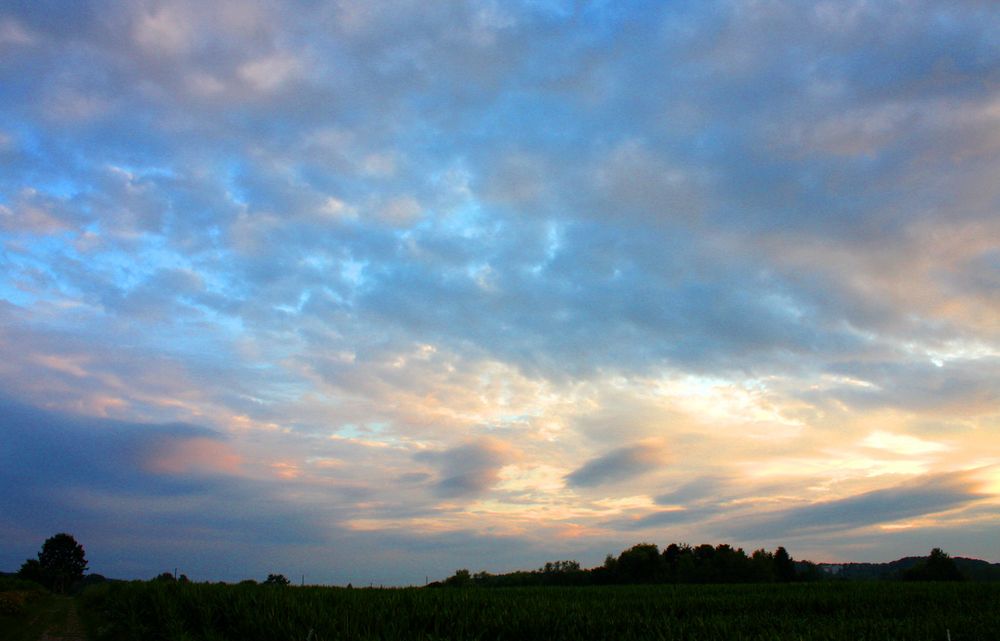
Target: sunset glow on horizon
{"x": 372, "y": 291}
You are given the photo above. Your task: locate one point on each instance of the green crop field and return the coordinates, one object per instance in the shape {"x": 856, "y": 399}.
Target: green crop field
{"x": 834, "y": 611}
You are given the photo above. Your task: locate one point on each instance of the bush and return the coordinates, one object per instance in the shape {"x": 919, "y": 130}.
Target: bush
{"x": 12, "y": 602}
{"x": 16, "y": 594}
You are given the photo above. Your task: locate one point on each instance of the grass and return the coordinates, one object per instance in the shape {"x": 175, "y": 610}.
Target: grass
{"x": 26, "y": 610}
{"x": 827, "y": 611}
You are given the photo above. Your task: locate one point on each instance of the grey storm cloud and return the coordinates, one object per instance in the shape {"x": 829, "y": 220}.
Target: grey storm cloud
{"x": 617, "y": 465}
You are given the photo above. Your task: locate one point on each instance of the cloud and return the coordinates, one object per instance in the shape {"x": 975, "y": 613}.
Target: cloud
{"x": 954, "y": 385}
{"x": 700, "y": 294}
{"x": 926, "y": 495}
{"x": 671, "y": 517}
{"x": 468, "y": 469}
{"x": 54, "y": 451}
{"x": 618, "y": 465}
{"x": 13, "y": 33}
{"x": 902, "y": 444}
{"x": 703, "y": 488}
{"x": 196, "y": 455}
{"x": 106, "y": 479}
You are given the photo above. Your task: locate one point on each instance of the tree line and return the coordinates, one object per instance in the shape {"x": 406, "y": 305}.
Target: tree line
{"x": 61, "y": 563}
{"x": 683, "y": 563}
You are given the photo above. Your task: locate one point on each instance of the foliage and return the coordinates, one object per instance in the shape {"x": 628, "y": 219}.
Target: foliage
{"x": 31, "y": 570}
{"x": 279, "y": 580}
{"x": 561, "y": 567}
{"x": 784, "y": 568}
{"x": 12, "y": 602}
{"x": 640, "y": 564}
{"x": 61, "y": 562}
{"x": 936, "y": 567}
{"x": 93, "y": 579}
{"x": 16, "y": 594}
{"x": 459, "y": 579}
{"x": 24, "y": 609}
{"x": 12, "y": 583}
{"x": 644, "y": 563}
{"x": 170, "y": 578}
{"x": 831, "y": 610}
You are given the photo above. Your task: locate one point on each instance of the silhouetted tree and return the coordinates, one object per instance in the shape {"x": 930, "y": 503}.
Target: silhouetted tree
{"x": 679, "y": 563}
{"x": 605, "y": 573}
{"x": 808, "y": 571}
{"x": 644, "y": 563}
{"x": 61, "y": 562}
{"x": 560, "y": 573}
{"x": 784, "y": 567}
{"x": 640, "y": 564}
{"x": 31, "y": 570}
{"x": 610, "y": 567}
{"x": 276, "y": 579}
{"x": 671, "y": 553}
{"x": 762, "y": 566}
{"x": 704, "y": 558}
{"x": 730, "y": 565}
{"x": 560, "y": 567}
{"x": 165, "y": 577}
{"x": 936, "y": 567}
{"x": 459, "y": 579}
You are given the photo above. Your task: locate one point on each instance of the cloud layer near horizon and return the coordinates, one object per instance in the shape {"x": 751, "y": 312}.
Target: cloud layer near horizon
{"x": 497, "y": 281}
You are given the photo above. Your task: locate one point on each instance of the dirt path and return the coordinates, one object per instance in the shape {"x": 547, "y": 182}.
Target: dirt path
{"x": 64, "y": 625}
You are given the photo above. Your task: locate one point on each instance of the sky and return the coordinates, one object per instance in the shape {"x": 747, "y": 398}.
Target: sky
{"x": 369, "y": 291}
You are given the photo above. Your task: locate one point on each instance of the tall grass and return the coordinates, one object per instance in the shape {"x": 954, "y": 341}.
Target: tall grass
{"x": 875, "y": 611}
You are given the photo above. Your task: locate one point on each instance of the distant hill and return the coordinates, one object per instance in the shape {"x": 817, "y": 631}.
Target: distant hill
{"x": 972, "y": 569}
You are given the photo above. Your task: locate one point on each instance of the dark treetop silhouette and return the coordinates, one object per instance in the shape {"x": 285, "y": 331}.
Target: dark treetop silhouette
{"x": 682, "y": 563}
{"x": 61, "y": 562}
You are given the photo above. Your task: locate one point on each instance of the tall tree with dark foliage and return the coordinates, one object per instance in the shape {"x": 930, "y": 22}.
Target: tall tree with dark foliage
{"x": 60, "y": 563}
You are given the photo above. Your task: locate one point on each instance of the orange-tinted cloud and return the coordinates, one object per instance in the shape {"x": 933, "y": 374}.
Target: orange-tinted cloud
{"x": 195, "y": 455}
